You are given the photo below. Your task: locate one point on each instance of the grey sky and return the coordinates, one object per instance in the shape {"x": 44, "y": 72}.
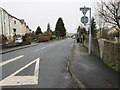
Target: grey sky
{"x": 39, "y": 13}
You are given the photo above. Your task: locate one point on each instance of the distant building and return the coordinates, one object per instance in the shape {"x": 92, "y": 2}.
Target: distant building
{"x": 109, "y": 33}
{"x": 11, "y": 26}
{"x": 103, "y": 33}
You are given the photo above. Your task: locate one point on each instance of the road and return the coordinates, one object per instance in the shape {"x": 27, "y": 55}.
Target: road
{"x": 41, "y": 66}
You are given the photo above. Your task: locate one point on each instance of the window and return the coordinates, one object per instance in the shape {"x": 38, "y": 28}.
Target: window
{"x": 14, "y": 22}
{"x": 14, "y": 30}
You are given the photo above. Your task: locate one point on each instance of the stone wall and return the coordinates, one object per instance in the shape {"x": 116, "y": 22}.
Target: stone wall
{"x": 111, "y": 55}
{"x": 107, "y": 51}
{"x": 86, "y": 42}
{"x": 94, "y": 46}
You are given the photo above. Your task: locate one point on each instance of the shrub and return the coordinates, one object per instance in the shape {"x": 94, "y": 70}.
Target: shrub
{"x": 3, "y": 39}
{"x": 42, "y": 38}
{"x": 27, "y": 37}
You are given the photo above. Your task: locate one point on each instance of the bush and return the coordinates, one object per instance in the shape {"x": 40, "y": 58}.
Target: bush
{"x": 27, "y": 37}
{"x": 47, "y": 34}
{"x": 3, "y": 39}
{"x": 42, "y": 38}
{"x": 53, "y": 37}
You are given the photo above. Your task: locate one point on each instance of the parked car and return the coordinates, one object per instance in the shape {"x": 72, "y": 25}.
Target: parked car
{"x": 18, "y": 40}
{"x": 74, "y": 37}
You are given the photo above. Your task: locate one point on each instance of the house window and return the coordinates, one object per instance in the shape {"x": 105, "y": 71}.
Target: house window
{"x": 14, "y": 22}
{"x": 14, "y": 30}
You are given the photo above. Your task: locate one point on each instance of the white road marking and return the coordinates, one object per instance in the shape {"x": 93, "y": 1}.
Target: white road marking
{"x": 39, "y": 49}
{"x": 13, "y": 80}
{"x": 10, "y": 60}
{"x": 51, "y": 44}
{"x": 67, "y": 76}
{"x": 36, "y": 72}
{"x": 67, "y": 65}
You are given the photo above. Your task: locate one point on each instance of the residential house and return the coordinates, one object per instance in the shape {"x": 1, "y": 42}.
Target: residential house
{"x": 114, "y": 33}
{"x": 11, "y": 26}
{"x": 108, "y": 33}
{"x": 103, "y": 33}
{"x": 4, "y": 23}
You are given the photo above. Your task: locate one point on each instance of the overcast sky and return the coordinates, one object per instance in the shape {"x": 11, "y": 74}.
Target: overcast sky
{"x": 41, "y": 12}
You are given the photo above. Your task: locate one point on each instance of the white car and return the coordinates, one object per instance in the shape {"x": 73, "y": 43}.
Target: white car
{"x": 74, "y": 37}
{"x": 18, "y": 40}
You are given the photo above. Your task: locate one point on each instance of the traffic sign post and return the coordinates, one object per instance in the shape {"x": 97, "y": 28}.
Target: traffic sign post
{"x": 84, "y": 20}
{"x": 90, "y": 36}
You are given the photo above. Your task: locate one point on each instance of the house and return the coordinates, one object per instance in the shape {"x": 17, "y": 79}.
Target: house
{"x": 111, "y": 34}
{"x": 114, "y": 33}
{"x": 11, "y": 26}
{"x": 4, "y": 23}
{"x": 103, "y": 33}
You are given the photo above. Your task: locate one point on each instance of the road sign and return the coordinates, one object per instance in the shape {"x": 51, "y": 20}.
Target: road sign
{"x": 84, "y": 10}
{"x": 84, "y": 19}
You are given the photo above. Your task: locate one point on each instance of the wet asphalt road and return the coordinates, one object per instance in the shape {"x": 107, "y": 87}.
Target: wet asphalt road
{"x": 52, "y": 67}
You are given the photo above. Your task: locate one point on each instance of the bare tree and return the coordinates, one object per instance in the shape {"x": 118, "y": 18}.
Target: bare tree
{"x": 110, "y": 11}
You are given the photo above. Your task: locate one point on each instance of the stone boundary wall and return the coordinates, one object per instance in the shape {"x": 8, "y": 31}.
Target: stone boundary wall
{"x": 94, "y": 46}
{"x": 111, "y": 55}
{"x": 107, "y": 51}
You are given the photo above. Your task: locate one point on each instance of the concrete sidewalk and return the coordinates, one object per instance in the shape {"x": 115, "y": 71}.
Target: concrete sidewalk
{"x": 88, "y": 71}
{"x": 17, "y": 48}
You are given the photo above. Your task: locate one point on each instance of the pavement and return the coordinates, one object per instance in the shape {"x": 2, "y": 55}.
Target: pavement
{"x": 3, "y": 51}
{"x": 88, "y": 71}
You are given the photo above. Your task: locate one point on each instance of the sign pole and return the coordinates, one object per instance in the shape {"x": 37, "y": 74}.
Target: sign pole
{"x": 84, "y": 21}
{"x": 90, "y": 36}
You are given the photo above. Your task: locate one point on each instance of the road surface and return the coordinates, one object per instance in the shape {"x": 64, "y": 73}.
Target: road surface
{"x": 41, "y": 66}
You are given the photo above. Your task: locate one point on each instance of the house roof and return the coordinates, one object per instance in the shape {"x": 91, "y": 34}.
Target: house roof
{"x": 21, "y": 20}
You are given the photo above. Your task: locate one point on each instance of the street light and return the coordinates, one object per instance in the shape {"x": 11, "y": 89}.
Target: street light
{"x": 84, "y": 21}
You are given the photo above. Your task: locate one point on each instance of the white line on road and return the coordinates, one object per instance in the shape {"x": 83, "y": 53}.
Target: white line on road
{"x": 51, "y": 44}
{"x": 36, "y": 72}
{"x": 67, "y": 65}
{"x": 39, "y": 49}
{"x": 13, "y": 80}
{"x": 10, "y": 60}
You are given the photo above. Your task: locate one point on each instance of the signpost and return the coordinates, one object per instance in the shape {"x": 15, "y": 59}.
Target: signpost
{"x": 84, "y": 20}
